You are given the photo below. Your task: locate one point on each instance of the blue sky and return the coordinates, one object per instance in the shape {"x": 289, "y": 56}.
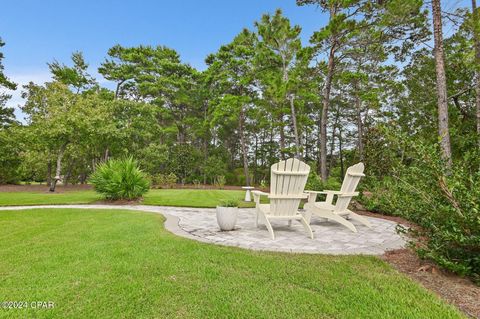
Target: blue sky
{"x": 39, "y": 31}
{"x": 36, "y": 32}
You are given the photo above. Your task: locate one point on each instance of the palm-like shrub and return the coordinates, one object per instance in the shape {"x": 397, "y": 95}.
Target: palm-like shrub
{"x": 120, "y": 179}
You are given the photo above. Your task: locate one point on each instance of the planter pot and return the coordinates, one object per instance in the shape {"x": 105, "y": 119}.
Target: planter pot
{"x": 227, "y": 217}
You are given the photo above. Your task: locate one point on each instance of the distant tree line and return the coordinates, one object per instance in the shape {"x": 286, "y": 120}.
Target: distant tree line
{"x": 263, "y": 97}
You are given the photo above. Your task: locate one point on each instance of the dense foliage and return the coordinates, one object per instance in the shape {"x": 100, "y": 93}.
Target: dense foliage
{"x": 267, "y": 96}
{"x": 445, "y": 206}
{"x": 120, "y": 179}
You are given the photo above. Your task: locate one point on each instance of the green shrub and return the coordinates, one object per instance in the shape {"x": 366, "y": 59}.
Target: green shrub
{"x": 164, "y": 180}
{"x": 220, "y": 181}
{"x": 120, "y": 179}
{"x": 314, "y": 183}
{"x": 446, "y": 205}
{"x": 237, "y": 177}
{"x": 229, "y": 203}
{"x": 263, "y": 183}
{"x": 213, "y": 167}
{"x": 171, "y": 180}
{"x": 9, "y": 157}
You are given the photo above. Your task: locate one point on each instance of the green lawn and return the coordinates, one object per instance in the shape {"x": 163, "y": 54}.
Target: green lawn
{"x": 193, "y": 197}
{"x": 161, "y": 197}
{"x": 123, "y": 264}
{"x": 46, "y": 198}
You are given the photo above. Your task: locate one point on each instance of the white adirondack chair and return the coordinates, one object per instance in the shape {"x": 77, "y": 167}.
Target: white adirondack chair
{"x": 339, "y": 210}
{"x": 287, "y": 183}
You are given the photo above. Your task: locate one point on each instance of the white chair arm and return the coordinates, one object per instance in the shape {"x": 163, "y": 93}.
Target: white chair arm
{"x": 348, "y": 194}
{"x": 300, "y": 196}
{"x": 357, "y": 174}
{"x": 260, "y": 193}
{"x": 314, "y": 192}
{"x": 324, "y": 192}
{"x": 312, "y": 195}
{"x": 257, "y": 195}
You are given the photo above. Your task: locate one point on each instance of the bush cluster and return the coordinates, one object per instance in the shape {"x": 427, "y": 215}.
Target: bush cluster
{"x": 164, "y": 180}
{"x": 314, "y": 183}
{"x": 220, "y": 181}
{"x": 444, "y": 203}
{"x": 120, "y": 179}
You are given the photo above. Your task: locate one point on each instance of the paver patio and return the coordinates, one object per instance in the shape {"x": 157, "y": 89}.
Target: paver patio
{"x": 329, "y": 237}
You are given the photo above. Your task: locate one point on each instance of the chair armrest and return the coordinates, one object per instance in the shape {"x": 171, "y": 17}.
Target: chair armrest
{"x": 332, "y": 192}
{"x": 348, "y": 194}
{"x": 299, "y": 196}
{"x": 257, "y": 195}
{"x": 260, "y": 193}
{"x": 312, "y": 195}
{"x": 357, "y": 174}
{"x": 324, "y": 192}
{"x": 314, "y": 192}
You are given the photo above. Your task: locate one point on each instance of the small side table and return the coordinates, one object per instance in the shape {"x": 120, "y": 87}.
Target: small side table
{"x": 248, "y": 195}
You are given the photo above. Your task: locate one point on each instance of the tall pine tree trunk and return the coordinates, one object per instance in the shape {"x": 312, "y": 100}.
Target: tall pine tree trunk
{"x": 326, "y": 97}
{"x": 243, "y": 145}
{"x": 334, "y": 135}
{"x": 295, "y": 128}
{"x": 340, "y": 152}
{"x": 358, "y": 108}
{"x": 324, "y": 117}
{"x": 282, "y": 136}
{"x": 319, "y": 148}
{"x": 476, "y": 40}
{"x": 442, "y": 104}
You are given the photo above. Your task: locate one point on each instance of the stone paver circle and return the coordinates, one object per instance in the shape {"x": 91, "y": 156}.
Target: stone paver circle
{"x": 330, "y": 237}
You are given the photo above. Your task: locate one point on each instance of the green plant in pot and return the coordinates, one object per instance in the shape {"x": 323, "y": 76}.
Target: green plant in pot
{"x": 227, "y": 212}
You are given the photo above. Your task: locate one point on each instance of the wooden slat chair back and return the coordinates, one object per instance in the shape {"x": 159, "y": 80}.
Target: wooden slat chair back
{"x": 350, "y": 182}
{"x": 287, "y": 183}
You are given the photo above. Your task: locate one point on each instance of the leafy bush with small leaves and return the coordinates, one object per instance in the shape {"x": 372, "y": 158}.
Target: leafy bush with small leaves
{"x": 314, "y": 183}
{"x": 229, "y": 203}
{"x": 120, "y": 179}
{"x": 444, "y": 203}
{"x": 164, "y": 180}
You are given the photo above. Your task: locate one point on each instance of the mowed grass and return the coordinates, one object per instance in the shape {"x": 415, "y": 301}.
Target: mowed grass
{"x": 47, "y": 198}
{"x": 160, "y": 197}
{"x": 194, "y": 197}
{"x": 123, "y": 264}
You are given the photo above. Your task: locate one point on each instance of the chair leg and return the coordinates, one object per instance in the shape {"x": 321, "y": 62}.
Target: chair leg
{"x": 307, "y": 227}
{"x": 308, "y": 216}
{"x": 269, "y": 227}
{"x": 331, "y": 216}
{"x": 360, "y": 219}
{"x": 290, "y": 223}
{"x": 339, "y": 219}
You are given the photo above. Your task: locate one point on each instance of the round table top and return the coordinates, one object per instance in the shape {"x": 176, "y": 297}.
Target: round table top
{"x": 248, "y": 187}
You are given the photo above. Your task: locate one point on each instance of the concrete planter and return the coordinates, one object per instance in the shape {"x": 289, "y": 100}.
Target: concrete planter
{"x": 227, "y": 217}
